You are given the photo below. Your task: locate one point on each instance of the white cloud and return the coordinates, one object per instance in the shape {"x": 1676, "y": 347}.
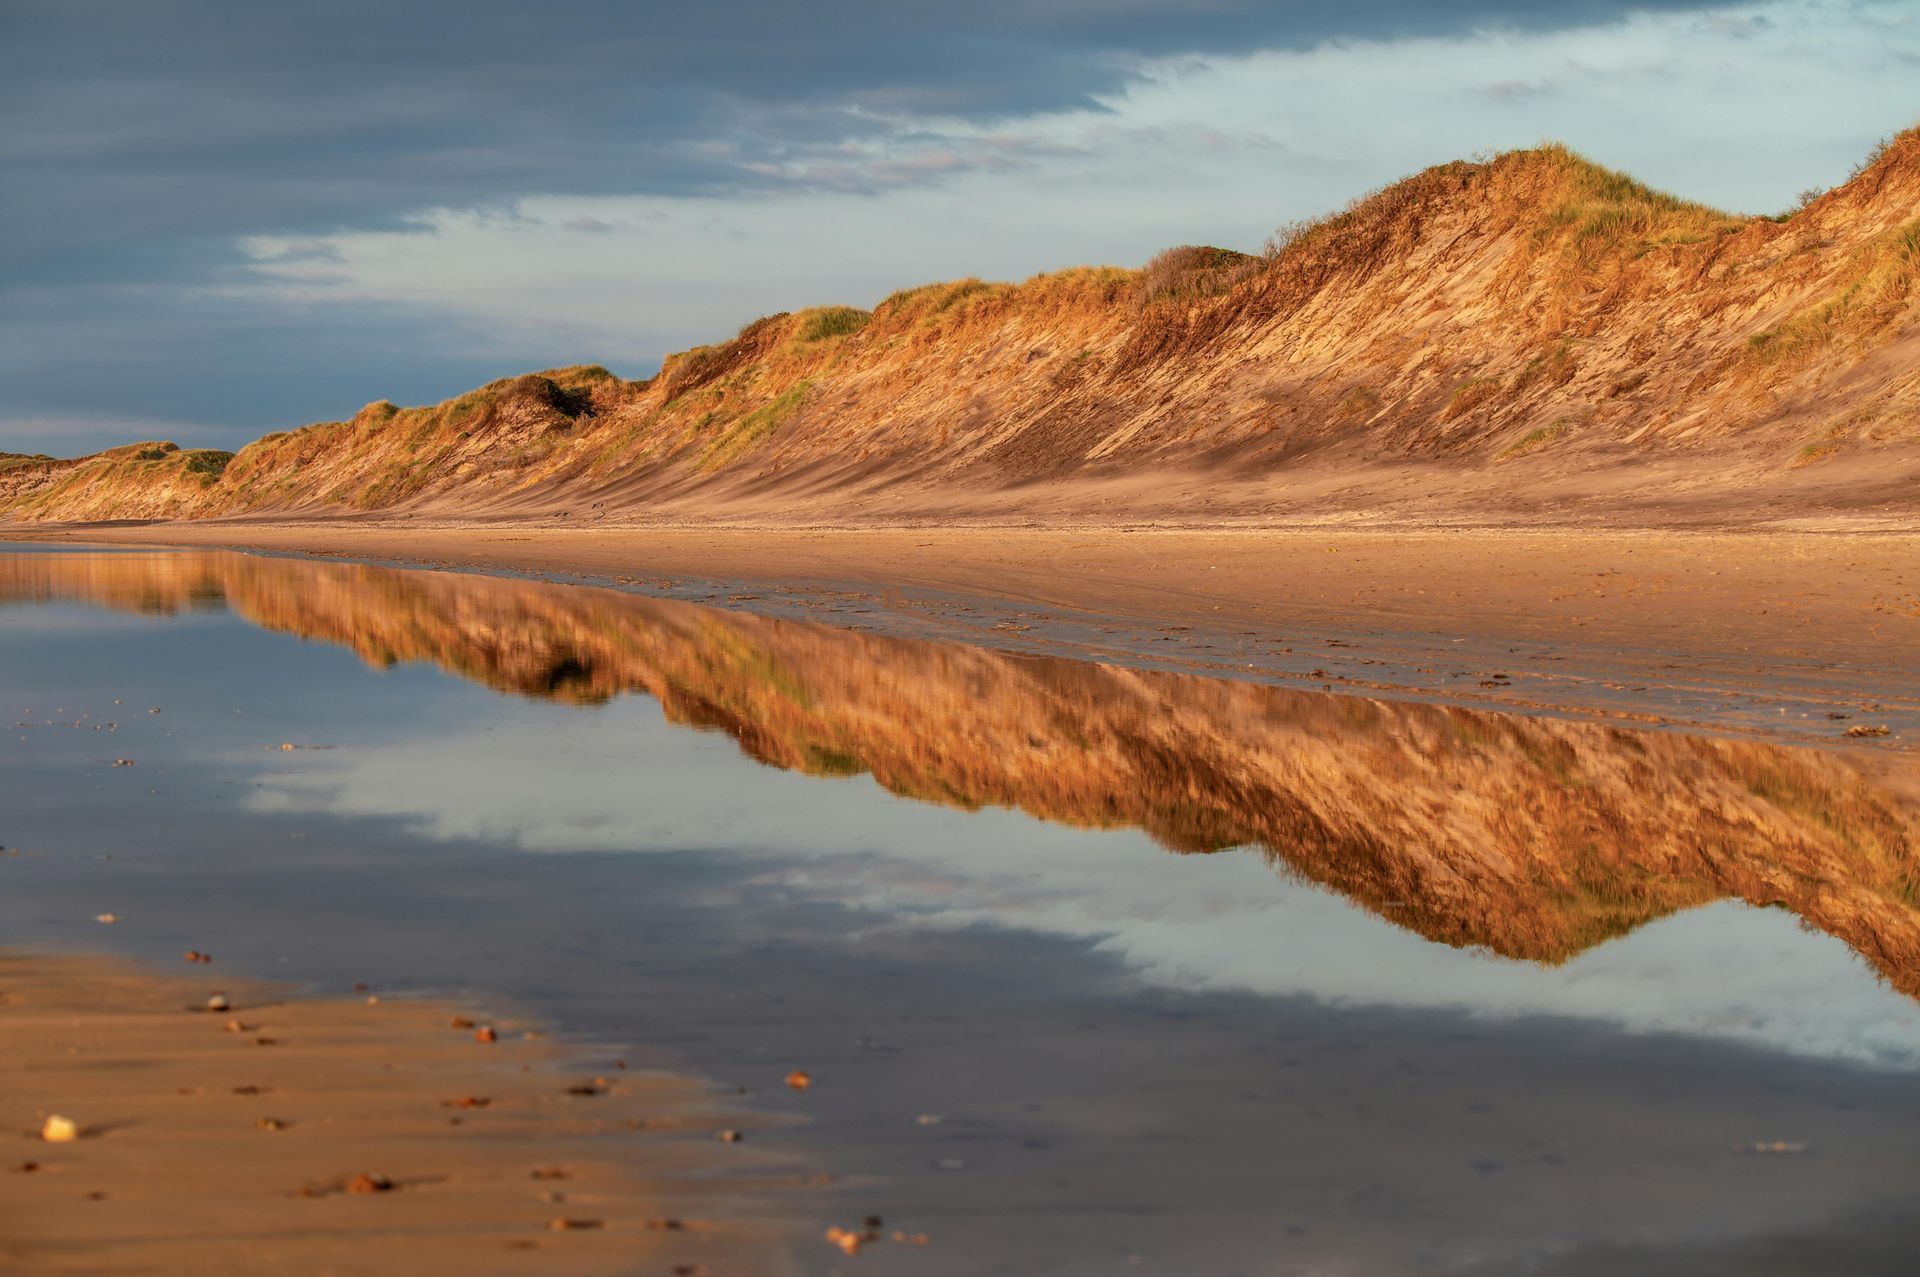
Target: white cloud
{"x": 1742, "y": 108}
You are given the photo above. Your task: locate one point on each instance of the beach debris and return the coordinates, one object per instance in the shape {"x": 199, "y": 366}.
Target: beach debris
{"x": 665, "y": 1225}
{"x": 575, "y": 1225}
{"x": 552, "y": 1172}
{"x": 271, "y": 1124}
{"x": 459, "y": 1022}
{"x": 799, "y": 1080}
{"x": 234, "y": 1026}
{"x": 123, "y": 762}
{"x": 730, "y": 1136}
{"x": 911, "y": 1239}
{"x": 29, "y": 1168}
{"x": 194, "y": 955}
{"x": 218, "y": 1002}
{"x": 370, "y": 1182}
{"x": 468, "y": 1102}
{"x": 485, "y": 1033}
{"x": 851, "y": 1241}
{"x": 1865, "y": 729}
{"x": 588, "y": 1089}
{"x": 107, "y": 919}
{"x": 60, "y": 1130}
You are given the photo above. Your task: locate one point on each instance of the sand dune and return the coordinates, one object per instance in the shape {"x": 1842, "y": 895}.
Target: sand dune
{"x": 1529, "y": 338}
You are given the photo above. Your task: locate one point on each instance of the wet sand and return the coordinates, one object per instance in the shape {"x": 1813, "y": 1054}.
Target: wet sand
{"x": 1802, "y": 633}
{"x": 258, "y": 1138}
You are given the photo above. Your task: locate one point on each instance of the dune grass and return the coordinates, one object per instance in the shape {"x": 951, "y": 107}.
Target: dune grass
{"x": 1534, "y": 440}
{"x": 755, "y": 426}
{"x": 1878, "y": 287}
{"x": 823, "y": 323}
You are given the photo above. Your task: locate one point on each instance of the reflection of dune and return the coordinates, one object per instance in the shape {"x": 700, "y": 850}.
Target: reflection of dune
{"x": 1533, "y": 837}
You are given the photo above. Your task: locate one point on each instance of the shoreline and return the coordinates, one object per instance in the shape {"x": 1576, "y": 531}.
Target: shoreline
{"x": 1790, "y": 635}
{"x": 343, "y": 1133}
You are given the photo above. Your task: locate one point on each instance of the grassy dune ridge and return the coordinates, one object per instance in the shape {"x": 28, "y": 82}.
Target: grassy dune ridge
{"x": 1533, "y": 309}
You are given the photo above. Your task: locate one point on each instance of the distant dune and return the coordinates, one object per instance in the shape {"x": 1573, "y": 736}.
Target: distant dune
{"x": 1528, "y": 337}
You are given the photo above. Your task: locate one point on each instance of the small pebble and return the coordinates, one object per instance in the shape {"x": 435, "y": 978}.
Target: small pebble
{"x": 60, "y": 1130}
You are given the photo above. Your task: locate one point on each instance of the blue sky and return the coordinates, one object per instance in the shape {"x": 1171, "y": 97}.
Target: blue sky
{"x": 222, "y": 219}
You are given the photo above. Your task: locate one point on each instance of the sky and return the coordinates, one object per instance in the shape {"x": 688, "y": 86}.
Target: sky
{"x": 220, "y": 219}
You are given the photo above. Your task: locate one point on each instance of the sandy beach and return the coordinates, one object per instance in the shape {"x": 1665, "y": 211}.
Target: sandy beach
{"x": 290, "y": 1133}
{"x": 1754, "y": 631}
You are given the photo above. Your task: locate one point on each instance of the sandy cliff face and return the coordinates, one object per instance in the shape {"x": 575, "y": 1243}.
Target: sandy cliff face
{"x": 1532, "y": 837}
{"x": 1531, "y": 329}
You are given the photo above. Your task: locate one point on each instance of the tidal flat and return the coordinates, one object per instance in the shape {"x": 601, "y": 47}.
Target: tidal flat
{"x": 1086, "y": 966}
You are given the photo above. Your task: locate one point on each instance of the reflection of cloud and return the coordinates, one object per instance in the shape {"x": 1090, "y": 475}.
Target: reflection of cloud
{"x": 620, "y": 779}
{"x": 1515, "y": 90}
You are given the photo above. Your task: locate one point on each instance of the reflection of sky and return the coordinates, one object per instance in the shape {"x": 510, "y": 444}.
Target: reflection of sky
{"x": 552, "y": 779}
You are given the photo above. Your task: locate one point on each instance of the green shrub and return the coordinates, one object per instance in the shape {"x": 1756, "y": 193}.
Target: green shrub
{"x": 208, "y": 461}
{"x": 1192, "y": 272}
{"x": 832, "y": 321}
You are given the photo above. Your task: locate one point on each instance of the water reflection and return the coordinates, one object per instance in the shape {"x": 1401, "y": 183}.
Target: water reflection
{"x": 1529, "y": 837}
